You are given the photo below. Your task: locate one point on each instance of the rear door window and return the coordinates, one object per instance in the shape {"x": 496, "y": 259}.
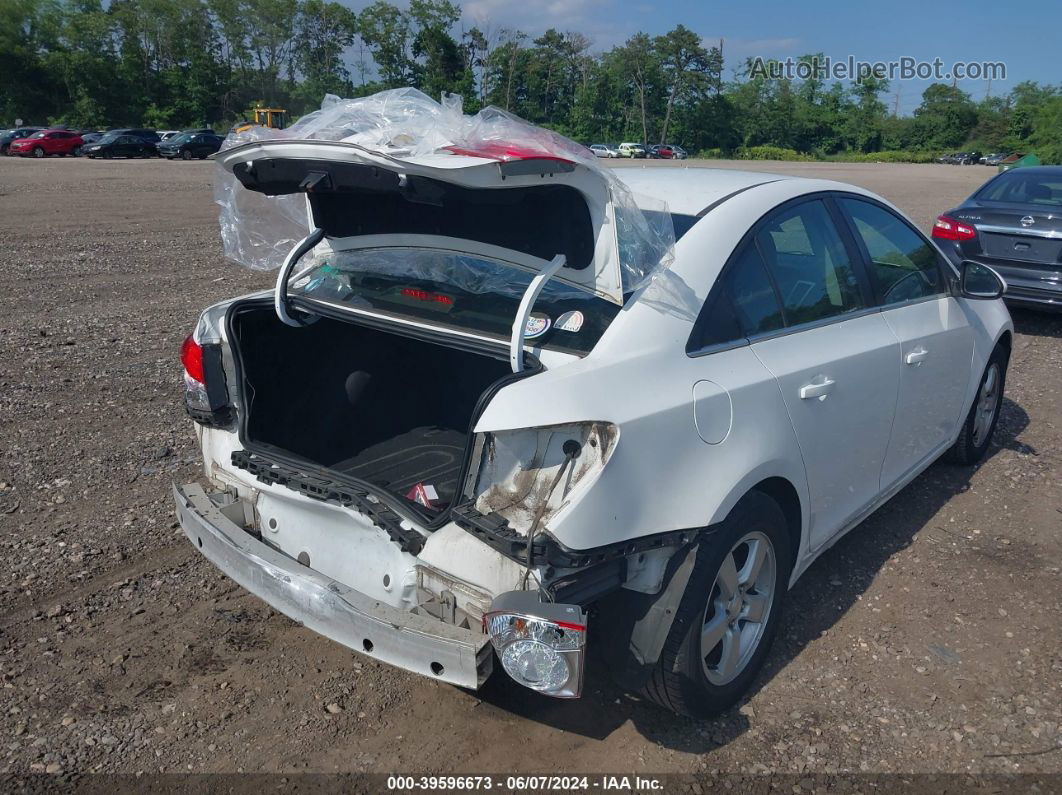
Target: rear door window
{"x": 903, "y": 264}
{"x": 743, "y": 304}
{"x": 812, "y": 268}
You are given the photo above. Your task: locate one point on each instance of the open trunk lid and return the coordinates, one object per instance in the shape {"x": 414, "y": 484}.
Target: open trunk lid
{"x": 520, "y": 211}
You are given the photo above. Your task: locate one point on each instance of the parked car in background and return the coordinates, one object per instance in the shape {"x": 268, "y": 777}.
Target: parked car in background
{"x": 90, "y": 137}
{"x": 970, "y": 158}
{"x": 604, "y": 150}
{"x": 1013, "y": 223}
{"x": 165, "y": 135}
{"x": 120, "y": 145}
{"x": 47, "y": 142}
{"x": 7, "y": 136}
{"x": 995, "y": 158}
{"x": 460, "y": 514}
{"x": 666, "y": 152}
{"x": 139, "y": 132}
{"x": 188, "y": 146}
{"x": 631, "y": 149}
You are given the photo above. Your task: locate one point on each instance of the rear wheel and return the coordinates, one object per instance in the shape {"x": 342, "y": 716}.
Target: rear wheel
{"x": 729, "y": 613}
{"x": 976, "y": 433}
{"x": 77, "y": 151}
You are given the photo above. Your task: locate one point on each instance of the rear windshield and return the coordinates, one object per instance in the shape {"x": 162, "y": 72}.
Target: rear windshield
{"x": 1016, "y": 187}
{"x": 457, "y": 291}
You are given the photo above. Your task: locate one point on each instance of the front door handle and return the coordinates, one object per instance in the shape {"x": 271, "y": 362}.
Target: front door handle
{"x": 917, "y": 356}
{"x": 819, "y": 390}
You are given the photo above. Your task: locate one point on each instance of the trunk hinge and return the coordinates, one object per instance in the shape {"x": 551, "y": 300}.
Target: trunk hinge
{"x": 280, "y": 293}
{"x": 516, "y": 344}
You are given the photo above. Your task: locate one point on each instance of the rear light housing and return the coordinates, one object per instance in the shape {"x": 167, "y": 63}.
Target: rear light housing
{"x": 541, "y": 645}
{"x": 206, "y": 395}
{"x": 947, "y": 228}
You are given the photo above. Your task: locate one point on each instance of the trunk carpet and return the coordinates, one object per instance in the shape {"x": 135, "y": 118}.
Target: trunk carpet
{"x": 429, "y": 455}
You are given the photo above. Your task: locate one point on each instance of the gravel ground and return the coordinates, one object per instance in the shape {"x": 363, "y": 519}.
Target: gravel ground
{"x": 928, "y": 640}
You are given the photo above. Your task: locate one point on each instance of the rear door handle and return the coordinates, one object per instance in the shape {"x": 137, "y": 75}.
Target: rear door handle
{"x": 819, "y": 390}
{"x": 917, "y": 356}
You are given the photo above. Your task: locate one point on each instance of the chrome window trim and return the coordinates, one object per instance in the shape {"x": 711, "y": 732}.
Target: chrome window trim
{"x": 853, "y": 314}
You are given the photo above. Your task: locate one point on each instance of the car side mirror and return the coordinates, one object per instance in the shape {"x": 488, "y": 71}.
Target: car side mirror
{"x": 979, "y": 281}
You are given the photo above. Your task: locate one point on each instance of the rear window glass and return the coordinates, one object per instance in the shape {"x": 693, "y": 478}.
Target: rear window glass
{"x": 457, "y": 291}
{"x": 1016, "y": 187}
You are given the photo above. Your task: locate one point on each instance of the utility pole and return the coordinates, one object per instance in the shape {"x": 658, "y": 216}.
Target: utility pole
{"x": 896, "y": 103}
{"x": 988, "y": 93}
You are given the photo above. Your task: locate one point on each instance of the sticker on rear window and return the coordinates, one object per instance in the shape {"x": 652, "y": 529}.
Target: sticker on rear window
{"x": 570, "y": 321}
{"x": 536, "y": 326}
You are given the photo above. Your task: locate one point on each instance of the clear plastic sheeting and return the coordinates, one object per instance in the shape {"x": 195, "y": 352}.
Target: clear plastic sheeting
{"x": 466, "y": 273}
{"x": 258, "y": 231}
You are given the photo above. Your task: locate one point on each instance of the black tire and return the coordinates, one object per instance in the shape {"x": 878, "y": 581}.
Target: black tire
{"x": 971, "y": 447}
{"x": 107, "y": 155}
{"x": 680, "y": 680}
{"x": 38, "y": 152}
{"x": 77, "y": 151}
{"x": 186, "y": 154}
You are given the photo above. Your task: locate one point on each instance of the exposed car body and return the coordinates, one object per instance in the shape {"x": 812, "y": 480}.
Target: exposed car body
{"x": 633, "y": 150}
{"x": 120, "y": 145}
{"x": 47, "y": 142}
{"x": 604, "y": 150}
{"x": 1014, "y": 224}
{"x": 189, "y": 146}
{"x": 7, "y": 136}
{"x": 431, "y": 469}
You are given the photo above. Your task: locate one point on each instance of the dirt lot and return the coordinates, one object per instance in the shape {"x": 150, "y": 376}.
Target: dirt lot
{"x": 930, "y": 639}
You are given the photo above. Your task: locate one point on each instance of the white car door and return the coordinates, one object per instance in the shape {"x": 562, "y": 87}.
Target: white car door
{"x": 833, "y": 356}
{"x": 936, "y": 340}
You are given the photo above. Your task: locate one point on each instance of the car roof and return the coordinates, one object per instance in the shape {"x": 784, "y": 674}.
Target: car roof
{"x": 688, "y": 191}
{"x": 1045, "y": 171}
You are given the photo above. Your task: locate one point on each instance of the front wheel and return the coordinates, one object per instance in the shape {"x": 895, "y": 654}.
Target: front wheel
{"x": 38, "y": 152}
{"x": 186, "y": 155}
{"x": 976, "y": 433}
{"x": 729, "y": 612}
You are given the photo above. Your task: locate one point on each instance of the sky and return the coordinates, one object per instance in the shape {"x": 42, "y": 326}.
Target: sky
{"x": 974, "y": 30}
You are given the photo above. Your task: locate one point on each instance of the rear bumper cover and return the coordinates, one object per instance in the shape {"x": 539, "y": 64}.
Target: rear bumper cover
{"x": 416, "y": 643}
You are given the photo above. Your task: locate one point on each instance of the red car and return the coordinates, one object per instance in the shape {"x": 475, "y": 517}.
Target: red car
{"x": 47, "y": 142}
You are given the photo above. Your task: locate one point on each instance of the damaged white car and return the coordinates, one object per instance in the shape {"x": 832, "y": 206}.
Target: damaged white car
{"x": 479, "y": 424}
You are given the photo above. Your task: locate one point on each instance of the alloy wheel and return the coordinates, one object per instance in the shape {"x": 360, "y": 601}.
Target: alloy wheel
{"x": 738, "y": 608}
{"x": 987, "y": 405}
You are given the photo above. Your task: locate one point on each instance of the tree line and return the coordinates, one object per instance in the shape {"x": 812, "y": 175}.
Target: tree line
{"x": 178, "y": 63}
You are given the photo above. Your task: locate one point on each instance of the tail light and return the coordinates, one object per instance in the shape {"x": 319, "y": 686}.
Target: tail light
{"x": 206, "y": 396}
{"x": 541, "y": 645}
{"x": 947, "y": 228}
{"x": 192, "y": 359}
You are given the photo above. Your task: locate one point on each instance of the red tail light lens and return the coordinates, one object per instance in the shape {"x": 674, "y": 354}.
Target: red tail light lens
{"x": 424, "y": 295}
{"x": 192, "y": 359}
{"x": 949, "y": 229}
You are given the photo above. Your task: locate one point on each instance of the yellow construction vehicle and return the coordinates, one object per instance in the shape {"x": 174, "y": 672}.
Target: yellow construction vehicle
{"x": 276, "y": 118}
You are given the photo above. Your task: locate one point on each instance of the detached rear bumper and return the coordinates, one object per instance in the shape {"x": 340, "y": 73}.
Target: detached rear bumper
{"x": 416, "y": 643}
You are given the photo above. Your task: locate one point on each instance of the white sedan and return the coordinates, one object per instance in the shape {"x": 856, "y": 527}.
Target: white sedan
{"x": 604, "y": 150}
{"x": 454, "y": 430}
